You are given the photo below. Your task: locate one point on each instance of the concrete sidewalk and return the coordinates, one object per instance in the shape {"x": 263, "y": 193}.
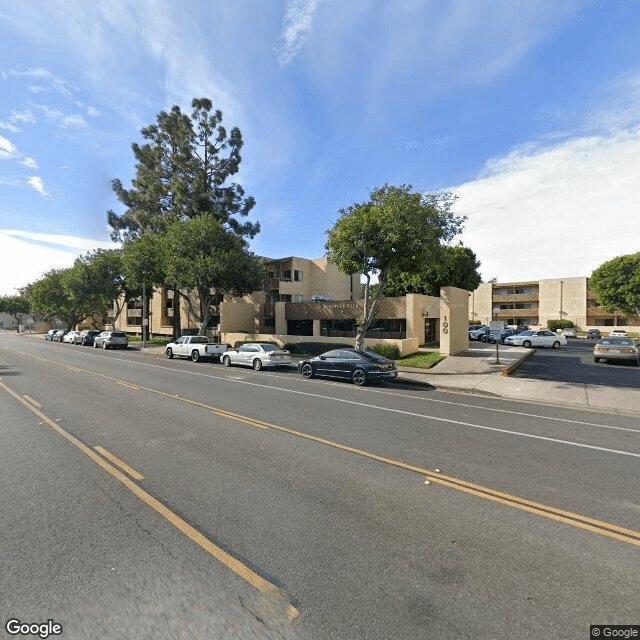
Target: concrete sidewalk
{"x": 476, "y": 371}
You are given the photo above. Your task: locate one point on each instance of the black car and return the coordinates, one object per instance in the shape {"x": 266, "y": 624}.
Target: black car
{"x": 86, "y": 337}
{"x": 358, "y": 366}
{"x": 594, "y": 334}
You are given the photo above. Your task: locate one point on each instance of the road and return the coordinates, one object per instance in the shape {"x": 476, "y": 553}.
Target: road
{"x": 574, "y": 363}
{"x": 378, "y": 512}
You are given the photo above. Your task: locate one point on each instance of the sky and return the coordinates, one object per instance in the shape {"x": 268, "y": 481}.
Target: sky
{"x": 527, "y": 110}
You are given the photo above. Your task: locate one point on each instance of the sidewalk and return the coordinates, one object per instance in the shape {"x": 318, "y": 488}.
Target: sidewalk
{"x": 476, "y": 372}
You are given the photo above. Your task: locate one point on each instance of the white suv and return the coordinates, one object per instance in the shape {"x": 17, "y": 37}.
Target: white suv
{"x": 111, "y": 340}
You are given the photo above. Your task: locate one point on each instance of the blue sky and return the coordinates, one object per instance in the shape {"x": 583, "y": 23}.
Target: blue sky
{"x": 528, "y": 110}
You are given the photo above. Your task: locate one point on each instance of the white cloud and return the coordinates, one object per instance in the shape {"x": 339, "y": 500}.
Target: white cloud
{"x": 556, "y": 211}
{"x": 25, "y": 257}
{"x": 37, "y": 183}
{"x": 298, "y": 22}
{"x": 30, "y": 163}
{"x": 75, "y": 121}
{"x": 8, "y": 150}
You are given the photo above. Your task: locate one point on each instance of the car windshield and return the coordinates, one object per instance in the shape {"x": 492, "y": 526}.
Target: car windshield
{"x": 268, "y": 346}
{"x": 618, "y": 342}
{"x": 118, "y": 334}
{"x": 527, "y": 333}
{"x": 199, "y": 340}
{"x": 375, "y": 357}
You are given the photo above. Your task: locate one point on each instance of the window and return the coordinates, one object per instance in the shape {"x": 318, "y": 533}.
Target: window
{"x": 298, "y": 297}
{"x": 297, "y": 275}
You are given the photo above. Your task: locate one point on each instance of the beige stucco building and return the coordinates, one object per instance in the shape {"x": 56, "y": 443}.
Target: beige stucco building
{"x": 305, "y": 300}
{"x": 535, "y": 302}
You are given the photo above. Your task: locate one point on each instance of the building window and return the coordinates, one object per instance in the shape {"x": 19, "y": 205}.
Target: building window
{"x": 285, "y": 297}
{"x": 300, "y": 327}
{"x": 297, "y": 275}
{"x": 286, "y": 275}
{"x": 298, "y": 297}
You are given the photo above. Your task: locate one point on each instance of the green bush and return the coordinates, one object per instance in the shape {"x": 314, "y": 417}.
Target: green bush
{"x": 389, "y": 351}
{"x": 554, "y": 325}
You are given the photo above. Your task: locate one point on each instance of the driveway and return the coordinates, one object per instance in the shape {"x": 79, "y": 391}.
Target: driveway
{"x": 574, "y": 363}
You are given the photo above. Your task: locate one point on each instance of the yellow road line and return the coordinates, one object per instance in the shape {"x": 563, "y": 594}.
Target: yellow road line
{"x": 222, "y": 556}
{"x": 119, "y": 463}
{"x": 552, "y": 513}
{"x": 31, "y": 400}
{"x": 127, "y": 384}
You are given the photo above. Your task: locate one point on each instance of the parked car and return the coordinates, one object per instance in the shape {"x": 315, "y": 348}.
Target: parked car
{"x": 618, "y": 333}
{"x": 196, "y": 348}
{"x": 568, "y": 332}
{"x": 479, "y": 333}
{"x": 111, "y": 340}
{"x": 258, "y": 355}
{"x": 69, "y": 337}
{"x": 358, "y": 366}
{"x": 594, "y": 334}
{"x": 542, "y": 338}
{"x": 58, "y": 335}
{"x": 49, "y": 335}
{"x": 86, "y": 337}
{"x": 616, "y": 348}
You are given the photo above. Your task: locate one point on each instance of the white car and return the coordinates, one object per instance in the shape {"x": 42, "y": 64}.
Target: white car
{"x": 70, "y": 337}
{"x": 542, "y": 338}
{"x": 257, "y": 355}
{"x": 569, "y": 333}
{"x": 618, "y": 333}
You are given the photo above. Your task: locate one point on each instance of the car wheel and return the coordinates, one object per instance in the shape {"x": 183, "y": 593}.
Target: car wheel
{"x": 226, "y": 361}
{"x": 527, "y": 344}
{"x": 556, "y": 345}
{"x": 257, "y": 364}
{"x": 195, "y": 355}
{"x": 359, "y": 377}
{"x": 307, "y": 370}
{"x": 104, "y": 345}
{"x": 636, "y": 363}
{"x": 169, "y": 353}
{"x": 596, "y": 359}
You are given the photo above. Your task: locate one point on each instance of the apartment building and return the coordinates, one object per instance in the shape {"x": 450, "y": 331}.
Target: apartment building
{"x": 535, "y": 302}
{"x": 290, "y": 280}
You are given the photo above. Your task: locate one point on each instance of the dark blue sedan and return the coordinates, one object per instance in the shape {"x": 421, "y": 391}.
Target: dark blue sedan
{"x": 358, "y": 366}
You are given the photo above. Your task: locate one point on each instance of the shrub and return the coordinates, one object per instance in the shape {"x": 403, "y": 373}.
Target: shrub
{"x": 389, "y": 351}
{"x": 554, "y": 325}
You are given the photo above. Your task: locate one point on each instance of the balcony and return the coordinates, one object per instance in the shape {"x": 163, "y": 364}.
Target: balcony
{"x": 517, "y": 313}
{"x": 516, "y": 297}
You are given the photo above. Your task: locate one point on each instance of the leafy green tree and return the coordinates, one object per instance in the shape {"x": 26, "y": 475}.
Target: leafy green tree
{"x": 183, "y": 171}
{"x": 616, "y": 284}
{"x": 143, "y": 266}
{"x": 55, "y": 295}
{"x": 398, "y": 228}
{"x": 201, "y": 255}
{"x": 453, "y": 266}
{"x": 101, "y": 274}
{"x": 15, "y": 306}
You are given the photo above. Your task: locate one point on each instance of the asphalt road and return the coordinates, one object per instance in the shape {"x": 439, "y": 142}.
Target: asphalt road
{"x": 318, "y": 489}
{"x": 574, "y": 363}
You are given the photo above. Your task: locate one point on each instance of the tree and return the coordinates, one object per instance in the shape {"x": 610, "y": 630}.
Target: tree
{"x": 616, "y": 284}
{"x": 396, "y": 229}
{"x": 453, "y": 266}
{"x": 143, "y": 266}
{"x": 15, "y": 306}
{"x": 201, "y": 255}
{"x": 182, "y": 171}
{"x": 54, "y": 296}
{"x": 103, "y": 276}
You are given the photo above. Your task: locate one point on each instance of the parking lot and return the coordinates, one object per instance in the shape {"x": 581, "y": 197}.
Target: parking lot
{"x": 574, "y": 363}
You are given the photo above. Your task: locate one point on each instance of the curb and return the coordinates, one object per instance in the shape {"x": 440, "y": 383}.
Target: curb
{"x": 513, "y": 366}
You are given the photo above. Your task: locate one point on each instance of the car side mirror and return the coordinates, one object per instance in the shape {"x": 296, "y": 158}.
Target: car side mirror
{"x": 322, "y": 358}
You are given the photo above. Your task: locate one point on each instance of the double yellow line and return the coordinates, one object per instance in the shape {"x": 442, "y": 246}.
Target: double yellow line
{"x": 225, "y": 558}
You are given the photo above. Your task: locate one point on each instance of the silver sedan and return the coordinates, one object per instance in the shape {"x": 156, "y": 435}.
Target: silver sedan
{"x": 616, "y": 349}
{"x": 257, "y": 355}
